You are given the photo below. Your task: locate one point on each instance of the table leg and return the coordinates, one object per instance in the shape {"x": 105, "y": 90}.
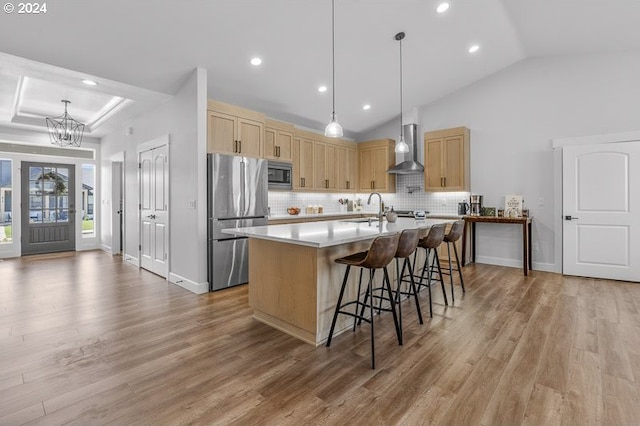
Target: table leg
{"x": 529, "y": 239}
{"x": 473, "y": 242}
{"x": 464, "y": 243}
{"x": 525, "y": 250}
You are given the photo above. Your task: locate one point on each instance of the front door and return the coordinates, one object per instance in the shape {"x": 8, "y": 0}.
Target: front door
{"x": 154, "y": 234}
{"x": 48, "y": 207}
{"x": 601, "y": 211}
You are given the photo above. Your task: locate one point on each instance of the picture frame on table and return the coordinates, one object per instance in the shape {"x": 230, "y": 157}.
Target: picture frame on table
{"x": 488, "y": 211}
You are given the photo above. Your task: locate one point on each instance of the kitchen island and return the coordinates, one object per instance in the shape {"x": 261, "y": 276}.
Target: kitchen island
{"x": 293, "y": 279}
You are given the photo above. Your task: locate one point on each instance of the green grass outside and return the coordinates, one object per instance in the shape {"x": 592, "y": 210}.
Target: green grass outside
{"x": 87, "y": 225}
{"x": 8, "y": 231}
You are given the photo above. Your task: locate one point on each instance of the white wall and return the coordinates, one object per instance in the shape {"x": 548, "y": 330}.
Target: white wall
{"x": 513, "y": 115}
{"x": 184, "y": 118}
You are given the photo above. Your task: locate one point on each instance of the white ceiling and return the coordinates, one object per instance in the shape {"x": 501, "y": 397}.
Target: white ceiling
{"x": 143, "y": 49}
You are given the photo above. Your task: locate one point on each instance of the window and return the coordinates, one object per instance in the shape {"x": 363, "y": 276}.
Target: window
{"x": 6, "y": 212}
{"x": 88, "y": 185}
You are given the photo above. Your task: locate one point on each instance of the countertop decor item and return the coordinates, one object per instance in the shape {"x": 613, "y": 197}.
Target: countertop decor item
{"x": 293, "y": 210}
{"x": 64, "y": 131}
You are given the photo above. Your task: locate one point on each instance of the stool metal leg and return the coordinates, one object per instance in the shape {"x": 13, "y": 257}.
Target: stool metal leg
{"x": 355, "y": 318}
{"x": 370, "y": 294}
{"x": 413, "y": 288}
{"x": 398, "y": 294}
{"x": 425, "y": 267}
{"x": 455, "y": 251}
{"x": 335, "y": 314}
{"x": 453, "y": 297}
{"x": 436, "y": 260}
{"x": 393, "y": 305}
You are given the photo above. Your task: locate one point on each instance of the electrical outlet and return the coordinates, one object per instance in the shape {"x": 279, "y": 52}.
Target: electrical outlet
{"x": 541, "y": 201}
{"x": 535, "y": 246}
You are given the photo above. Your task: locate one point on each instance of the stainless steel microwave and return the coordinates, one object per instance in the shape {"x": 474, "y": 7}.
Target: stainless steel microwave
{"x": 280, "y": 176}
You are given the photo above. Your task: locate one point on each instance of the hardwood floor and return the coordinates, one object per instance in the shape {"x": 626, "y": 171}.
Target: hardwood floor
{"x": 86, "y": 339}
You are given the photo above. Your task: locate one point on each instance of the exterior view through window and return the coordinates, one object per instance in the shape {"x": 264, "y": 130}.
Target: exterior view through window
{"x": 88, "y": 185}
{"x": 6, "y": 213}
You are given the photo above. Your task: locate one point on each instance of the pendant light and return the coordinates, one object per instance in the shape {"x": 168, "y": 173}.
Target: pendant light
{"x": 333, "y": 129}
{"x": 64, "y": 131}
{"x": 401, "y": 145}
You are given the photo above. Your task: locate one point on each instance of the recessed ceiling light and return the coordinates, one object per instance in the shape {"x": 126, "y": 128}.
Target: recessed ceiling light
{"x": 474, "y": 48}
{"x": 443, "y": 7}
{"x": 90, "y": 82}
{"x": 366, "y": 107}
{"x": 256, "y": 61}
{"x": 322, "y": 89}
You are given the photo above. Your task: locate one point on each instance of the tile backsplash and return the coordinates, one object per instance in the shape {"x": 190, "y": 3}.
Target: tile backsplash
{"x": 409, "y": 196}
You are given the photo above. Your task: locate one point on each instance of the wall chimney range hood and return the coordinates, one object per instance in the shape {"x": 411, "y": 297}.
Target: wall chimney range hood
{"x": 412, "y": 165}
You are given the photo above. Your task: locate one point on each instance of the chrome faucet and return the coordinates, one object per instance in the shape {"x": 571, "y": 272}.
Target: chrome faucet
{"x": 380, "y": 213}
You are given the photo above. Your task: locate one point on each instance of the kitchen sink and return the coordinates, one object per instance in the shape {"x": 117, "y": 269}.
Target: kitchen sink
{"x": 360, "y": 220}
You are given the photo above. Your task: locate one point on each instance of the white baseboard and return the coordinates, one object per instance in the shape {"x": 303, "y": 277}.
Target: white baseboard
{"x": 192, "y": 286}
{"x": 132, "y": 260}
{"x": 105, "y": 248}
{"x": 514, "y": 263}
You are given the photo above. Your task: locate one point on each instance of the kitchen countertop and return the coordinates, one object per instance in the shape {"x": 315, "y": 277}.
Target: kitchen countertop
{"x": 330, "y": 233}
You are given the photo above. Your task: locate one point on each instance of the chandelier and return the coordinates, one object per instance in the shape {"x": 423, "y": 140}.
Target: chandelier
{"x": 64, "y": 131}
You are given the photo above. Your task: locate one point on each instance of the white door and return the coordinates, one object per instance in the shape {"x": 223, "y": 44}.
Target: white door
{"x": 601, "y": 210}
{"x": 154, "y": 200}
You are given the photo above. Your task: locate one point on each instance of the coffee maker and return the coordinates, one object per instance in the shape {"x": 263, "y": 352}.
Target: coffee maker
{"x": 476, "y": 205}
{"x": 463, "y": 208}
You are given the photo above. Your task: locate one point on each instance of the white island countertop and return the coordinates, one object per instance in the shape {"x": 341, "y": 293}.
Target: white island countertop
{"x": 330, "y": 233}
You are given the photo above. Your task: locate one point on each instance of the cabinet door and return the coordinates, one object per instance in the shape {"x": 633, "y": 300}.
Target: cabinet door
{"x": 269, "y": 148}
{"x": 365, "y": 181}
{"x": 380, "y": 167}
{"x": 302, "y": 164}
{"x": 250, "y": 135}
{"x": 352, "y": 169}
{"x": 319, "y": 165}
{"x": 284, "y": 142}
{"x": 453, "y": 162}
{"x": 221, "y": 131}
{"x": 433, "y": 173}
{"x": 346, "y": 162}
{"x": 331, "y": 167}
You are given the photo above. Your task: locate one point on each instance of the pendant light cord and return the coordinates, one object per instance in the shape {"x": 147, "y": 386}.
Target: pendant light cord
{"x": 401, "y": 128}
{"x": 333, "y": 55}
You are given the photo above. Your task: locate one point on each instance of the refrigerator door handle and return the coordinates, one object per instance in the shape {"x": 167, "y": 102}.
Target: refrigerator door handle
{"x": 243, "y": 184}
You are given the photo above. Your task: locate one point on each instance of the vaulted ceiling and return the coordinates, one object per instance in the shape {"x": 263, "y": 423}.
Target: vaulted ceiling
{"x": 140, "y": 51}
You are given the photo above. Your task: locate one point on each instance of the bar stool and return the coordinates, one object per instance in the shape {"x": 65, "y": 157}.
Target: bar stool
{"x": 454, "y": 234}
{"x": 430, "y": 243}
{"x": 407, "y": 245}
{"x": 379, "y": 255}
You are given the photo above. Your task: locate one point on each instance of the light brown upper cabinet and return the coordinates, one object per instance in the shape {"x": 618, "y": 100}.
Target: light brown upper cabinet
{"x": 374, "y": 159}
{"x": 446, "y": 160}
{"x": 303, "y": 163}
{"x": 324, "y": 166}
{"x": 346, "y": 168}
{"x": 234, "y": 130}
{"x": 278, "y": 141}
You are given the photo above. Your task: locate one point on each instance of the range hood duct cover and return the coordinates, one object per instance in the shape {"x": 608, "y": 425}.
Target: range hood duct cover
{"x": 412, "y": 165}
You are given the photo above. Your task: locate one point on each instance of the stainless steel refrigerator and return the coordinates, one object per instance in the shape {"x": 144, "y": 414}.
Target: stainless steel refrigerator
{"x": 237, "y": 197}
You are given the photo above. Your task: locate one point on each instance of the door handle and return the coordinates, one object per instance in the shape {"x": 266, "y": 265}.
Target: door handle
{"x": 569, "y": 217}
{"x": 326, "y": 183}
{"x": 240, "y": 146}
{"x": 151, "y": 216}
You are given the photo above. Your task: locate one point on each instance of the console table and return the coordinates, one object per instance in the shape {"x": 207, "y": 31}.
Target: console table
{"x": 525, "y": 222}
